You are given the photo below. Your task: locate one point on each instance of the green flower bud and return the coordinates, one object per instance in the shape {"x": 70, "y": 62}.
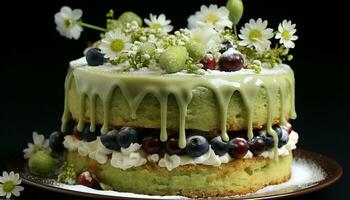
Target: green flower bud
{"x": 42, "y": 163}
{"x": 113, "y": 24}
{"x": 196, "y": 51}
{"x": 236, "y": 10}
{"x": 173, "y": 59}
{"x": 129, "y": 16}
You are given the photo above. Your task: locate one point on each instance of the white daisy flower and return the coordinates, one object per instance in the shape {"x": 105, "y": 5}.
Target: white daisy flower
{"x": 67, "y": 22}
{"x": 40, "y": 143}
{"x": 10, "y": 185}
{"x": 159, "y": 22}
{"x": 115, "y": 43}
{"x": 212, "y": 15}
{"x": 256, "y": 33}
{"x": 286, "y": 35}
{"x": 206, "y": 36}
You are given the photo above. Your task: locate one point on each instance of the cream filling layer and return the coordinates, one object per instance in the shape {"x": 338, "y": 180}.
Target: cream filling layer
{"x": 134, "y": 156}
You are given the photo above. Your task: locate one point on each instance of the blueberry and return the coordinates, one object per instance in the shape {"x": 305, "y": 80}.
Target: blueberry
{"x": 110, "y": 140}
{"x": 172, "y": 147}
{"x": 127, "y": 136}
{"x": 89, "y": 136}
{"x": 269, "y": 142}
{"x": 56, "y": 141}
{"x": 196, "y": 146}
{"x": 220, "y": 147}
{"x": 284, "y": 139}
{"x": 94, "y": 57}
{"x": 257, "y": 145}
{"x": 278, "y": 130}
{"x": 225, "y": 46}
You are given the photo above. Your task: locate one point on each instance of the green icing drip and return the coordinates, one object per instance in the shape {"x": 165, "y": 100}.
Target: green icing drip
{"x": 91, "y": 83}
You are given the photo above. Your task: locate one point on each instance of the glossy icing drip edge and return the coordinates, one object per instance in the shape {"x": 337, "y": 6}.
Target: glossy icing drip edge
{"x": 90, "y": 85}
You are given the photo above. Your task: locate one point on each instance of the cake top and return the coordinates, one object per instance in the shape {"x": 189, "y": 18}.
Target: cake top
{"x": 211, "y": 43}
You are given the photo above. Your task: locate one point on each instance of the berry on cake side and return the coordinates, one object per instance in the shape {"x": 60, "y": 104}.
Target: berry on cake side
{"x": 200, "y": 111}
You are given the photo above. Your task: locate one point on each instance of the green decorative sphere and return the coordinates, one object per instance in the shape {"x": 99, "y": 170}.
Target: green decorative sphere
{"x": 129, "y": 16}
{"x": 236, "y": 10}
{"x": 113, "y": 24}
{"x": 42, "y": 163}
{"x": 196, "y": 51}
{"x": 173, "y": 59}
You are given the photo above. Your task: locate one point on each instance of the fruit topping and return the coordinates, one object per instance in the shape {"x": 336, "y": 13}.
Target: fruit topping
{"x": 284, "y": 139}
{"x": 278, "y": 130}
{"x": 94, "y": 57}
{"x": 209, "y": 62}
{"x": 77, "y": 134}
{"x": 257, "y": 145}
{"x": 151, "y": 144}
{"x": 238, "y": 148}
{"x": 56, "y": 141}
{"x": 110, "y": 140}
{"x": 173, "y": 59}
{"x": 225, "y": 46}
{"x": 128, "y": 17}
{"x": 127, "y": 136}
{"x": 196, "y": 146}
{"x": 42, "y": 163}
{"x": 87, "y": 179}
{"x": 288, "y": 127}
{"x": 268, "y": 139}
{"x": 220, "y": 147}
{"x": 195, "y": 50}
{"x": 231, "y": 60}
{"x": 172, "y": 147}
{"x": 89, "y": 136}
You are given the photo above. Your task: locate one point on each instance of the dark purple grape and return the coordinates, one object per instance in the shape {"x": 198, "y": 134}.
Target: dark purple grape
{"x": 257, "y": 145}
{"x": 151, "y": 145}
{"x": 239, "y": 148}
{"x": 172, "y": 147}
{"x": 231, "y": 60}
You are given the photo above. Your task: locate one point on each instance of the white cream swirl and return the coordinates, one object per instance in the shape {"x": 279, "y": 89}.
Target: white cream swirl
{"x": 129, "y": 157}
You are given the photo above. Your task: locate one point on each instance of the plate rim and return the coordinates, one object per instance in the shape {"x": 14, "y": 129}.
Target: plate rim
{"x": 301, "y": 153}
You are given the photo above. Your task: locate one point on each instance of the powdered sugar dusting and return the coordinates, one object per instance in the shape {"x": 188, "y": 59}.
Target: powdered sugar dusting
{"x": 305, "y": 174}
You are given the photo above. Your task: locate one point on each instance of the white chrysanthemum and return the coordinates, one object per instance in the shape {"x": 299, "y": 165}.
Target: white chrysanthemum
{"x": 206, "y": 36}
{"x": 67, "y": 22}
{"x": 40, "y": 143}
{"x": 256, "y": 33}
{"x": 212, "y": 15}
{"x": 115, "y": 43}
{"x": 10, "y": 185}
{"x": 286, "y": 35}
{"x": 159, "y": 22}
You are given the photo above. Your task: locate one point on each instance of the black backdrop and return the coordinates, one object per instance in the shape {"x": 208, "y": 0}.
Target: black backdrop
{"x": 34, "y": 60}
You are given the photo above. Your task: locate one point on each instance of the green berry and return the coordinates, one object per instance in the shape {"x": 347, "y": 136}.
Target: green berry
{"x": 173, "y": 59}
{"x": 129, "y": 16}
{"x": 196, "y": 51}
{"x": 147, "y": 48}
{"x": 113, "y": 24}
{"x": 42, "y": 163}
{"x": 236, "y": 10}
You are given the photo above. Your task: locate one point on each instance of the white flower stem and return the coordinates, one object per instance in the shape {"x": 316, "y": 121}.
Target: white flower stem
{"x": 92, "y": 26}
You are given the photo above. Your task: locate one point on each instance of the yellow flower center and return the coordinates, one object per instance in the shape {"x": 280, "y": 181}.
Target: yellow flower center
{"x": 68, "y": 22}
{"x": 117, "y": 45}
{"x": 156, "y": 26}
{"x": 197, "y": 38}
{"x": 285, "y": 35}
{"x": 211, "y": 18}
{"x": 255, "y": 35}
{"x": 8, "y": 186}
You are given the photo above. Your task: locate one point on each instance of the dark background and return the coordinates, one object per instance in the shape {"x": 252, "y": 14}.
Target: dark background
{"x": 34, "y": 59}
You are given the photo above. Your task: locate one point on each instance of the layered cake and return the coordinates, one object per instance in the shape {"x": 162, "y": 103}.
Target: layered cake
{"x": 203, "y": 111}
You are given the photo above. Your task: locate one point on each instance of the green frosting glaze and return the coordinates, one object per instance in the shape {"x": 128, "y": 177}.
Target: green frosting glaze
{"x": 220, "y": 101}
